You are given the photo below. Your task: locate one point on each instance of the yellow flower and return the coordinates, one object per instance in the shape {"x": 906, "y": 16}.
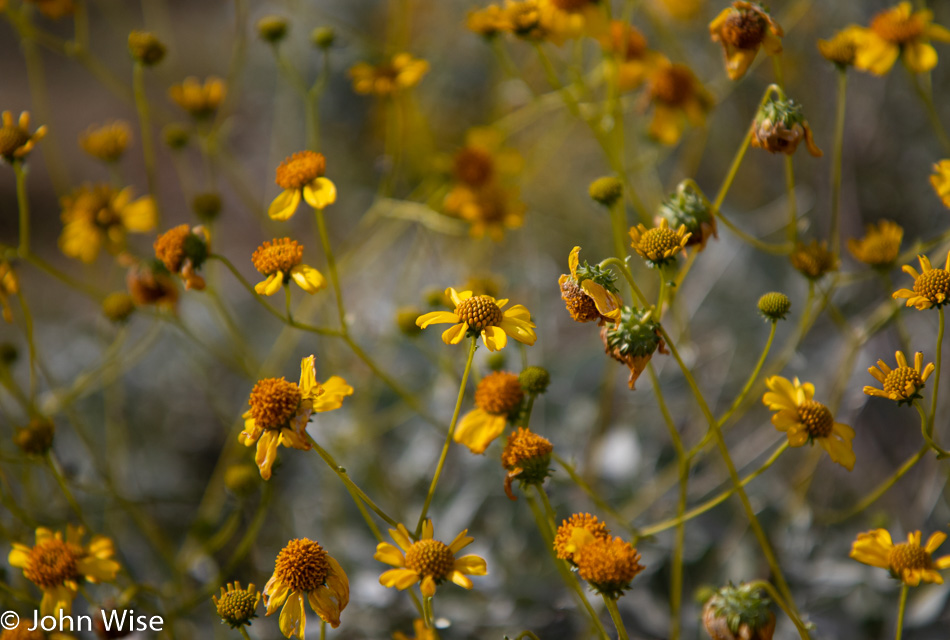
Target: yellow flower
{"x": 301, "y": 174}
{"x": 608, "y": 565}
{"x": 16, "y": 141}
{"x": 813, "y": 260}
{"x": 183, "y": 250}
{"x": 199, "y": 100}
{"x": 98, "y": 215}
{"x": 9, "y": 286}
{"x": 56, "y": 565}
{"x": 659, "y": 245}
{"x": 484, "y": 158}
{"x": 488, "y": 22}
{"x": 907, "y": 561}
{"x": 490, "y": 209}
{"x": 842, "y": 48}
{"x": 280, "y": 411}
{"x": 304, "y": 570}
{"x": 55, "y": 9}
{"x": 681, "y": 9}
{"x": 237, "y": 606}
{"x": 401, "y": 72}
{"x": 903, "y": 383}
{"x": 899, "y": 32}
{"x": 497, "y": 396}
{"x": 590, "y": 295}
{"x": 23, "y": 629}
{"x": 941, "y": 181}
{"x": 806, "y": 421}
{"x": 579, "y": 529}
{"x": 421, "y": 633}
{"x": 280, "y": 260}
{"x": 527, "y": 457}
{"x": 634, "y": 59}
{"x": 931, "y": 286}
{"x": 474, "y": 315}
{"x": 741, "y": 29}
{"x": 428, "y": 560}
{"x": 879, "y": 246}
{"x": 678, "y": 98}
{"x": 107, "y": 142}
{"x": 574, "y": 18}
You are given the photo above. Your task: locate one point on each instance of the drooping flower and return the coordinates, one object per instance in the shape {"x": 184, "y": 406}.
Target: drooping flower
{"x": 806, "y": 421}
{"x": 689, "y": 206}
{"x": 880, "y": 245}
{"x": 527, "y": 457}
{"x": 659, "y": 245}
{"x": 899, "y": 32}
{"x": 107, "y": 142}
{"x": 741, "y": 30}
{"x": 397, "y": 74}
{"x": 498, "y": 397}
{"x": 183, "y": 250}
{"x": 97, "y": 216}
{"x": 301, "y": 175}
{"x": 678, "y": 99}
{"x": 908, "y": 561}
{"x": 842, "y": 48}
{"x": 734, "y": 613}
{"x": 305, "y": 571}
{"x": 280, "y": 411}
{"x": 16, "y": 141}
{"x": 633, "y": 340}
{"x": 199, "y": 100}
{"x": 931, "y": 286}
{"x": 780, "y": 126}
{"x": 589, "y": 292}
{"x": 427, "y": 560}
{"x": 902, "y": 384}
{"x": 280, "y": 260}
{"x": 57, "y": 563}
{"x": 482, "y": 315}
{"x": 150, "y": 283}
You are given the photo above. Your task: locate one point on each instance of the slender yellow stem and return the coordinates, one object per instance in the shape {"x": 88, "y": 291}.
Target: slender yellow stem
{"x": 145, "y": 129}
{"x": 936, "y": 388}
{"x": 927, "y": 99}
{"x": 23, "y": 205}
{"x": 802, "y": 629}
{"x": 900, "y": 612}
{"x": 752, "y": 377}
{"x": 427, "y": 612}
{"x": 881, "y": 489}
{"x": 331, "y": 266}
{"x": 243, "y": 632}
{"x": 836, "y": 163}
{"x": 615, "y": 616}
{"x": 925, "y": 425}
{"x": 792, "y": 202}
{"x": 620, "y": 264}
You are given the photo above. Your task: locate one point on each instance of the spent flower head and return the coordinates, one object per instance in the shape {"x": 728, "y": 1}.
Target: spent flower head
{"x": 780, "y": 126}
{"x": 742, "y": 29}
{"x": 689, "y": 207}
{"x": 633, "y": 340}
{"x": 527, "y": 457}
{"x": 735, "y": 612}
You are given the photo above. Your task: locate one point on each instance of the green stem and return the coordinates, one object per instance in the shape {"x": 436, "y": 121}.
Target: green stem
{"x": 802, "y": 629}
{"x": 448, "y": 435}
{"x": 936, "y": 388}
{"x": 792, "y": 203}
{"x": 900, "y": 612}
{"x": 331, "y": 266}
{"x": 836, "y": 163}
{"x": 615, "y": 616}
{"x": 620, "y": 264}
{"x": 872, "y": 497}
{"x": 23, "y": 205}
{"x": 931, "y": 110}
{"x": 290, "y": 315}
{"x": 925, "y": 425}
{"x": 428, "y": 615}
{"x": 752, "y": 378}
{"x": 148, "y": 149}
{"x": 64, "y": 487}
{"x": 243, "y": 632}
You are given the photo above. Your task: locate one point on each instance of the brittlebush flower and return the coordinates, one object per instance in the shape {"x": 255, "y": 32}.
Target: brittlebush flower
{"x": 575, "y": 18}
{"x": 484, "y": 158}
{"x": 634, "y": 60}
{"x": 931, "y": 286}
{"x": 16, "y": 141}
{"x": 280, "y": 260}
{"x": 482, "y": 315}
{"x": 899, "y": 32}
{"x": 842, "y": 48}
{"x": 589, "y": 292}
{"x": 57, "y": 563}
{"x": 608, "y": 565}
{"x": 806, "y": 421}
{"x": 237, "y": 606}
{"x": 527, "y": 458}
{"x": 940, "y": 180}
{"x": 97, "y": 216}
{"x": 9, "y": 286}
{"x": 677, "y": 98}
{"x": 183, "y": 250}
{"x": 280, "y": 411}
{"x": 741, "y": 29}
{"x": 902, "y": 384}
{"x": 150, "y": 283}
{"x": 490, "y": 209}
{"x": 907, "y": 561}
{"x": 659, "y": 245}
{"x": 880, "y": 245}
{"x": 107, "y": 142}
{"x": 580, "y": 528}
{"x": 488, "y": 22}
{"x": 400, "y": 72}
{"x": 498, "y": 397}
{"x": 420, "y": 631}
{"x": 199, "y": 100}
{"x": 813, "y": 260}
{"x": 427, "y": 560}
{"x": 305, "y": 571}
{"x": 301, "y": 175}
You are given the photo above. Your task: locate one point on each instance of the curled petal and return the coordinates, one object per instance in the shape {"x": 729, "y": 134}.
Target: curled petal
{"x": 284, "y": 205}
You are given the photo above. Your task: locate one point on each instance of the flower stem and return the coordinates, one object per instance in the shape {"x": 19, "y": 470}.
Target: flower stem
{"x": 290, "y": 316}
{"x": 427, "y": 613}
{"x": 767, "y": 586}
{"x": 244, "y": 632}
{"x": 927, "y": 99}
{"x": 448, "y": 435}
{"x": 752, "y": 378}
{"x": 615, "y": 616}
{"x": 23, "y": 205}
{"x": 148, "y": 149}
{"x": 900, "y": 612}
{"x": 872, "y": 497}
{"x": 331, "y": 265}
{"x": 836, "y": 163}
{"x": 792, "y": 203}
{"x": 936, "y": 389}
{"x": 620, "y": 264}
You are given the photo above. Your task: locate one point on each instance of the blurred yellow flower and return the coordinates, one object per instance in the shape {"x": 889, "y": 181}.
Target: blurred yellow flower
{"x": 806, "y": 421}
{"x": 741, "y": 29}
{"x": 903, "y": 383}
{"x": 842, "y": 48}
{"x": 659, "y": 245}
{"x": 16, "y": 141}
{"x": 420, "y": 631}
{"x": 488, "y": 22}
{"x": 56, "y": 564}
{"x": 482, "y": 315}
{"x": 907, "y": 561}
{"x": 608, "y": 565}
{"x": 899, "y": 32}
{"x": 681, "y": 9}
{"x": 301, "y": 175}
{"x": 813, "y": 260}
{"x": 401, "y": 72}
{"x": 428, "y": 560}
{"x": 9, "y": 286}
{"x": 677, "y": 98}
{"x": 484, "y": 158}
{"x": 590, "y": 295}
{"x": 498, "y": 397}
{"x": 200, "y": 100}
{"x": 575, "y": 18}
{"x": 880, "y": 245}
{"x": 490, "y": 209}
{"x": 280, "y": 411}
{"x": 107, "y": 142}
{"x": 97, "y": 216}
{"x": 305, "y": 571}
{"x": 931, "y": 286}
{"x": 940, "y": 179}
{"x": 280, "y": 261}
{"x": 634, "y": 59}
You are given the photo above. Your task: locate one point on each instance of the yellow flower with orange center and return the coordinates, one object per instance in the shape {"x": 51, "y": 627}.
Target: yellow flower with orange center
{"x": 305, "y": 571}
{"x": 634, "y": 60}
{"x": 301, "y": 175}
{"x": 488, "y": 22}
{"x": 482, "y": 315}
{"x": 490, "y": 209}
{"x": 678, "y": 99}
{"x": 659, "y": 245}
{"x": 200, "y": 100}
{"x": 940, "y": 180}
{"x": 498, "y": 396}
{"x": 880, "y": 245}
{"x": 741, "y": 30}
{"x": 16, "y": 141}
{"x": 107, "y": 142}
{"x": 903, "y": 383}
{"x": 400, "y": 72}
{"x": 842, "y": 47}
{"x": 590, "y": 295}
{"x": 57, "y": 563}
{"x": 804, "y": 420}
{"x": 427, "y": 560}
{"x": 9, "y": 286}
{"x": 931, "y": 286}
{"x": 280, "y": 260}
{"x": 899, "y": 32}
{"x": 578, "y": 529}
{"x": 97, "y": 216}
{"x": 908, "y": 561}
{"x": 280, "y": 411}
{"x": 484, "y": 158}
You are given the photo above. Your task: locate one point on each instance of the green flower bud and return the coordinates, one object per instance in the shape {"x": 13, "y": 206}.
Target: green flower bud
{"x": 606, "y": 190}
{"x": 774, "y": 306}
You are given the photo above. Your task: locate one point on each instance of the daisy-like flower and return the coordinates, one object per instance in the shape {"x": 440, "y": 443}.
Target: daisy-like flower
{"x": 400, "y": 72}
{"x": 427, "y": 560}
{"x": 484, "y": 158}
{"x": 280, "y": 411}
{"x": 741, "y": 30}
{"x": 97, "y": 216}
{"x": 813, "y": 260}
{"x": 488, "y": 22}
{"x": 899, "y": 32}
{"x": 579, "y": 529}
{"x": 420, "y": 631}
{"x": 931, "y": 286}
{"x": 490, "y": 209}
{"x": 56, "y": 564}
{"x": 482, "y": 315}
{"x": 9, "y": 286}
{"x": 280, "y": 261}
{"x": 199, "y": 100}
{"x": 842, "y": 48}
{"x": 902, "y": 384}
{"x": 608, "y": 565}
{"x": 677, "y": 98}
{"x": 183, "y": 250}
{"x": 527, "y": 457}
{"x": 880, "y": 245}
{"x": 659, "y": 245}
{"x": 940, "y": 180}
{"x": 589, "y": 292}
{"x": 301, "y": 175}
{"x": 237, "y": 606}
{"x": 907, "y": 561}
{"x": 16, "y": 141}
{"x": 107, "y": 142}
{"x": 634, "y": 59}
{"x": 305, "y": 571}
{"x": 804, "y": 420}
{"x": 575, "y": 18}
{"x": 498, "y": 397}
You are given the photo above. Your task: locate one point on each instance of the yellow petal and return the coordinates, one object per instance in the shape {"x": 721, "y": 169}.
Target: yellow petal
{"x": 455, "y": 334}
{"x": 140, "y": 216}
{"x": 436, "y": 317}
{"x": 478, "y": 429}
{"x": 494, "y": 338}
{"x": 293, "y": 620}
{"x": 284, "y": 205}
{"x": 389, "y": 554}
{"x": 308, "y": 278}
{"x": 322, "y": 602}
{"x": 334, "y": 390}
{"x": 399, "y": 578}
{"x": 320, "y": 193}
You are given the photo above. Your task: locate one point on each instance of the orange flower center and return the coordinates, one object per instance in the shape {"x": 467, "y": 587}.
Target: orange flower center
{"x": 627, "y": 41}
{"x": 524, "y": 445}
{"x": 673, "y": 85}
{"x": 897, "y": 381}
{"x": 580, "y": 305}
{"x": 300, "y": 169}
{"x": 897, "y": 28}
{"x": 274, "y": 402}
{"x": 303, "y": 564}
{"x": 744, "y": 29}
{"x": 817, "y": 418}
{"x": 281, "y": 254}
{"x": 933, "y": 285}
{"x": 479, "y": 312}
{"x": 52, "y": 563}
{"x": 11, "y": 139}
{"x": 577, "y": 521}
{"x": 473, "y": 166}
{"x": 609, "y": 564}
{"x": 499, "y": 393}
{"x": 170, "y": 247}
{"x": 430, "y": 558}
{"x": 908, "y": 556}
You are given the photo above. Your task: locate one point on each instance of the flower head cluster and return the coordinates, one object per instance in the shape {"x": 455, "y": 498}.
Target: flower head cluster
{"x": 634, "y": 59}
{"x": 237, "y": 606}
{"x": 813, "y": 260}
{"x": 908, "y": 561}
{"x": 880, "y": 245}
{"x": 842, "y": 47}
{"x": 482, "y": 315}
{"x": 540, "y": 20}
{"x": 399, "y": 73}
{"x": 183, "y": 250}
{"x": 301, "y": 175}
{"x": 199, "y": 100}
{"x": 940, "y": 180}
{"x": 281, "y": 260}
{"x": 589, "y": 292}
{"x": 902, "y": 384}
{"x": 659, "y": 245}
{"x": 527, "y": 457}
{"x": 742, "y": 29}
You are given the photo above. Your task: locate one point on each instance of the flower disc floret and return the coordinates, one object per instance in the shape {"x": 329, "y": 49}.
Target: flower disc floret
{"x": 817, "y": 418}
{"x": 479, "y": 313}
{"x": 281, "y": 254}
{"x": 499, "y": 393}
{"x": 430, "y": 558}
{"x": 903, "y": 383}
{"x": 608, "y": 564}
{"x": 911, "y": 562}
{"x": 567, "y": 537}
{"x": 237, "y": 606}
{"x": 774, "y": 305}
{"x": 813, "y": 260}
{"x": 274, "y": 402}
{"x": 300, "y": 169}
{"x": 52, "y": 563}
{"x": 303, "y": 564}
{"x": 931, "y": 286}
{"x": 659, "y": 245}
